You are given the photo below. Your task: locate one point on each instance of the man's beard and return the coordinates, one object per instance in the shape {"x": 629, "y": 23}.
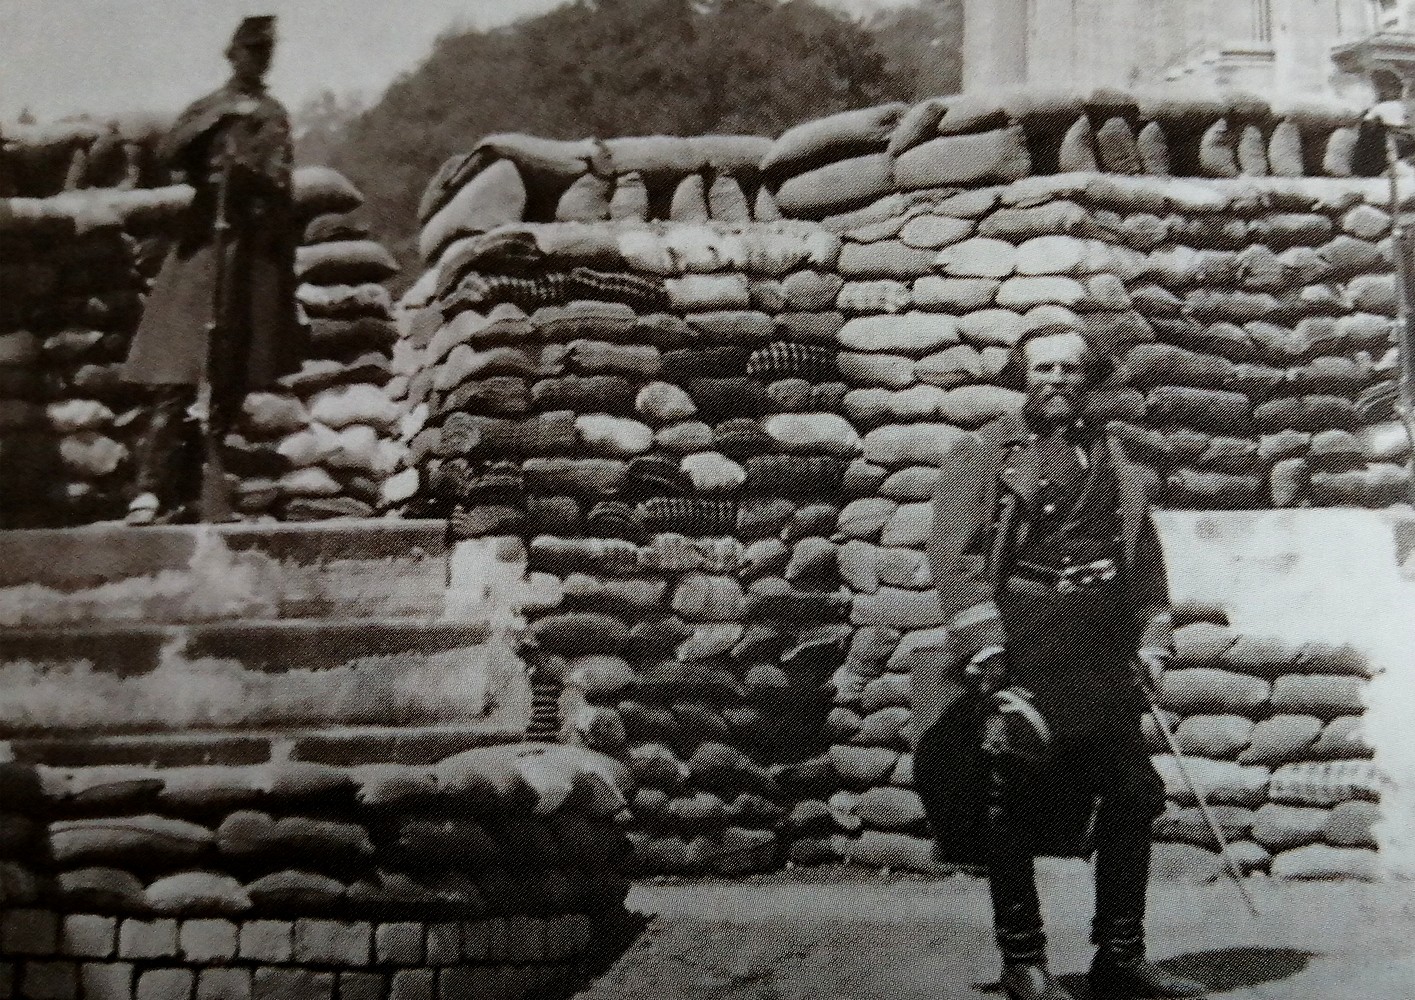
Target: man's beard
{"x": 1048, "y": 408}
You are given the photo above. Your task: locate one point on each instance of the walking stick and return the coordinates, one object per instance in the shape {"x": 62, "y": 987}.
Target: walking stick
{"x": 1229, "y": 863}
{"x": 214, "y": 500}
{"x": 1405, "y": 389}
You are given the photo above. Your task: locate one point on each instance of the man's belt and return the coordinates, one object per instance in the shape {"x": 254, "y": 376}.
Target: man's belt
{"x": 1096, "y": 575}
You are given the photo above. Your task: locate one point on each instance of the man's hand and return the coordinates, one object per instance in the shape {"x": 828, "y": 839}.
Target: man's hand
{"x": 1149, "y": 666}
{"x": 987, "y": 669}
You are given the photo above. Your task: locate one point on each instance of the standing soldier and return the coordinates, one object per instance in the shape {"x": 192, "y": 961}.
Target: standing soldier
{"x": 221, "y": 314}
{"x": 1052, "y": 577}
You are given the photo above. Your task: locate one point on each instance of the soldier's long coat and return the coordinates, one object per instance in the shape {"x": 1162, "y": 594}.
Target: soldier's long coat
{"x": 988, "y": 487}
{"x": 261, "y": 339}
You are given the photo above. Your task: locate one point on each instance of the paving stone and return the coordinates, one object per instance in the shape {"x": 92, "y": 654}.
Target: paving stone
{"x": 496, "y": 939}
{"x": 333, "y": 942}
{"x": 444, "y": 943}
{"x": 50, "y": 981}
{"x": 525, "y": 939}
{"x": 8, "y": 978}
{"x": 88, "y": 936}
{"x": 361, "y": 986}
{"x": 208, "y": 941}
{"x": 461, "y": 982}
{"x": 147, "y": 939}
{"x": 293, "y": 984}
{"x": 224, "y": 984}
{"x": 267, "y": 940}
{"x": 579, "y": 933}
{"x": 476, "y": 938}
{"x": 106, "y": 980}
{"x": 29, "y": 932}
{"x": 398, "y": 944}
{"x": 165, "y": 984}
{"x": 411, "y": 984}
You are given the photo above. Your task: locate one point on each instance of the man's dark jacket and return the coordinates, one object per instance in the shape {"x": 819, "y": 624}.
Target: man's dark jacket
{"x": 988, "y": 490}
{"x": 261, "y": 339}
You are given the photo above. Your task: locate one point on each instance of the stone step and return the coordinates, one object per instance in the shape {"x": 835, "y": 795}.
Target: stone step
{"x": 177, "y": 574}
{"x": 271, "y": 646}
{"x": 228, "y": 690}
{"x": 340, "y": 745}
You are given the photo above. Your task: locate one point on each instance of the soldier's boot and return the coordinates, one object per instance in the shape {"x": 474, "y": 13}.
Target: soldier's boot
{"x": 1032, "y": 982}
{"x": 1023, "y": 943}
{"x": 1120, "y": 970}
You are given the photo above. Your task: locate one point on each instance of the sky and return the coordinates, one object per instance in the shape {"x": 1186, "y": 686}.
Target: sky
{"x": 107, "y": 57}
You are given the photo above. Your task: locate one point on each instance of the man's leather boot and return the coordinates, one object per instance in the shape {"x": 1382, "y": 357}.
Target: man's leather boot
{"x": 1022, "y": 941}
{"x": 1121, "y": 972}
{"x": 1028, "y": 981}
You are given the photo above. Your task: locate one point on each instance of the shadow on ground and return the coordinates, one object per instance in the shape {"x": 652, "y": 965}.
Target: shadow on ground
{"x": 1223, "y": 969}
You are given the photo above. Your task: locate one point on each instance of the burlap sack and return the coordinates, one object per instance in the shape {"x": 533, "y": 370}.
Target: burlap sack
{"x": 197, "y": 894}
{"x": 1117, "y": 148}
{"x": 825, "y": 140}
{"x": 838, "y": 187}
{"x": 494, "y": 197}
{"x": 995, "y": 157}
{"x": 143, "y": 843}
{"x": 1207, "y": 690}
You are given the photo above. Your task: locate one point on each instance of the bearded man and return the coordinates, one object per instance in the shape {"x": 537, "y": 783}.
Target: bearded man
{"x": 1052, "y": 578}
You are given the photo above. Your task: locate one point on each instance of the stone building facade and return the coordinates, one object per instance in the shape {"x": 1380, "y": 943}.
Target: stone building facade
{"x": 1355, "y": 50}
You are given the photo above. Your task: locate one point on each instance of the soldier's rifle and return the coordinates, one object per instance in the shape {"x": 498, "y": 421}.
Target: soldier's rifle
{"x": 214, "y": 499}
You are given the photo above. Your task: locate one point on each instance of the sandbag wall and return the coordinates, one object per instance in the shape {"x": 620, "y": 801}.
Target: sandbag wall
{"x": 322, "y": 445}
{"x": 915, "y": 310}
{"x": 1272, "y": 306}
{"x": 74, "y": 269}
{"x": 1229, "y": 254}
{"x": 1272, "y": 732}
{"x": 68, "y": 305}
{"x": 848, "y": 160}
{"x": 496, "y": 872}
{"x": 656, "y": 411}
{"x": 38, "y": 160}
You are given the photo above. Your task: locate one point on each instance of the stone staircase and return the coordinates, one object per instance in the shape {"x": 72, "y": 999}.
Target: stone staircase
{"x": 345, "y": 641}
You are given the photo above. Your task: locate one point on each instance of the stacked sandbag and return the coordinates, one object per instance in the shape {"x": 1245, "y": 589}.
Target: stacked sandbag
{"x": 1271, "y": 732}
{"x": 73, "y": 271}
{"x": 323, "y": 444}
{"x": 68, "y": 305}
{"x": 510, "y": 178}
{"x": 833, "y": 165}
{"x": 501, "y": 860}
{"x": 700, "y": 429}
{"x": 662, "y": 429}
{"x": 1273, "y": 305}
{"x": 24, "y": 855}
{"x": 42, "y": 159}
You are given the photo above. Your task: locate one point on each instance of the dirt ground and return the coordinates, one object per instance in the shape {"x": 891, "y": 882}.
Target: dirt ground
{"x": 842, "y": 934}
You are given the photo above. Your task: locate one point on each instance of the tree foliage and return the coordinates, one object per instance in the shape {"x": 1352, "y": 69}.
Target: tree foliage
{"x": 627, "y": 67}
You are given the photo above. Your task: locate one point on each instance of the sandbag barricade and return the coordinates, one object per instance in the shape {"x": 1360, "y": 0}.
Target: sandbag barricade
{"x": 657, "y": 412}
{"x": 1272, "y": 732}
{"x": 602, "y": 389}
{"x": 74, "y": 268}
{"x": 499, "y": 871}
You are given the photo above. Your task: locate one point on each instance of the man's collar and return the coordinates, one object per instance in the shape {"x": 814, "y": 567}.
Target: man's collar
{"x": 254, "y": 88}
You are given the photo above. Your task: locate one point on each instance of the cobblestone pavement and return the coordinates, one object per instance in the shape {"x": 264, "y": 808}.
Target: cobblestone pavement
{"x": 840, "y": 934}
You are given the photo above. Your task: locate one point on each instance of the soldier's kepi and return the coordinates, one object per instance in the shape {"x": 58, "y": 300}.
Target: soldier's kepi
{"x": 1051, "y": 575}
{"x": 221, "y": 318}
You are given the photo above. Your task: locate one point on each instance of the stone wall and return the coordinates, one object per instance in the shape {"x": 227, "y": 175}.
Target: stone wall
{"x": 83, "y": 229}
{"x": 492, "y": 873}
{"x": 719, "y": 433}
